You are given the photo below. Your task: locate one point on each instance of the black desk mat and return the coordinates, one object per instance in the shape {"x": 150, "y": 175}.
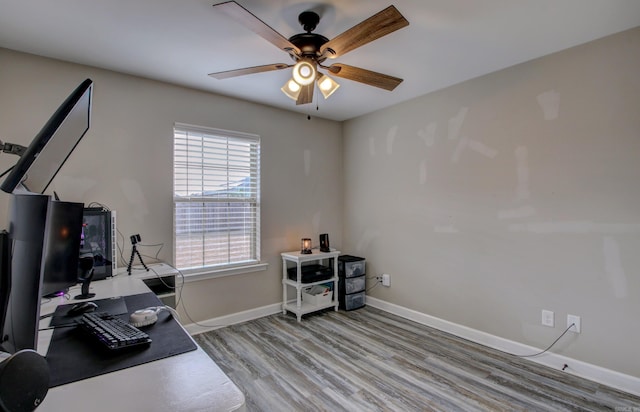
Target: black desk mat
{"x": 72, "y": 356}
{"x": 113, "y": 306}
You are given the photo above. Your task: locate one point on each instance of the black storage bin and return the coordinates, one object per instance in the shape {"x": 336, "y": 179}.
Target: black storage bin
{"x": 351, "y": 282}
{"x": 351, "y": 285}
{"x": 353, "y": 301}
{"x": 350, "y": 266}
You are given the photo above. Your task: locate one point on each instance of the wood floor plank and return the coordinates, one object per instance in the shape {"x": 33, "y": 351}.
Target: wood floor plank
{"x": 370, "y": 360}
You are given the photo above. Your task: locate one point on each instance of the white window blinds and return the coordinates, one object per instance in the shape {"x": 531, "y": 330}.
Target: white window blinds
{"x": 216, "y": 198}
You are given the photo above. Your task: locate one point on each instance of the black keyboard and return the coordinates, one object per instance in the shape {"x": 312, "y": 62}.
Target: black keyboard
{"x": 112, "y": 332}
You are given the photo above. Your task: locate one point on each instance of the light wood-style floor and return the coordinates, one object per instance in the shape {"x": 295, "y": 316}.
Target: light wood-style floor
{"x": 370, "y": 360}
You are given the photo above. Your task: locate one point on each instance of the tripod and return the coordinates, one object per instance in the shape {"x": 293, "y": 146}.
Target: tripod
{"x": 134, "y": 251}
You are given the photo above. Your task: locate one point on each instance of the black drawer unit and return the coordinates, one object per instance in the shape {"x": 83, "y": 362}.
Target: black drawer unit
{"x": 351, "y": 285}
{"x": 353, "y": 301}
{"x": 351, "y": 282}
{"x": 350, "y": 266}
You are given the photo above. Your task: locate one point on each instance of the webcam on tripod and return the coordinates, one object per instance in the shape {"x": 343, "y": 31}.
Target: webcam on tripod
{"x": 135, "y": 239}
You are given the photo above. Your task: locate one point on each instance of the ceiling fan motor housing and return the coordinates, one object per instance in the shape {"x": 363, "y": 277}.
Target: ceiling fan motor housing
{"x": 308, "y": 43}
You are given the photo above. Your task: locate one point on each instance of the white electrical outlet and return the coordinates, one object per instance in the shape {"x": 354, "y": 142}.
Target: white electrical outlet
{"x": 386, "y": 280}
{"x": 548, "y": 318}
{"x": 575, "y": 321}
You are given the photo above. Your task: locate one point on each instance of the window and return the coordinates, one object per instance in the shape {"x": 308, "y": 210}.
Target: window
{"x": 216, "y": 195}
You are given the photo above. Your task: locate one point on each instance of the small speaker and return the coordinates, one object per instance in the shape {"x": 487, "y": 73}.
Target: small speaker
{"x": 24, "y": 380}
{"x": 324, "y": 243}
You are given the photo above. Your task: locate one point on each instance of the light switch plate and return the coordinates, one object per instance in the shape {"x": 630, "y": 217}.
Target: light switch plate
{"x": 548, "y": 318}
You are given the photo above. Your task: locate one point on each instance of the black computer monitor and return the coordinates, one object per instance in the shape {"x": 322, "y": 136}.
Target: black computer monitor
{"x": 62, "y": 247}
{"x": 49, "y": 150}
{"x": 44, "y": 240}
{"x": 28, "y": 217}
{"x": 37, "y": 222}
{"x": 5, "y": 274}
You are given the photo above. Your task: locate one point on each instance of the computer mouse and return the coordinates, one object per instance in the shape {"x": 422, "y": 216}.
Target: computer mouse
{"x": 82, "y": 307}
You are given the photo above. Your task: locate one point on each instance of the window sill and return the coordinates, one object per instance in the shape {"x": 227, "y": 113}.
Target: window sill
{"x": 195, "y": 275}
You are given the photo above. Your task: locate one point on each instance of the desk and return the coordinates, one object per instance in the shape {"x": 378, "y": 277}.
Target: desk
{"x": 188, "y": 382}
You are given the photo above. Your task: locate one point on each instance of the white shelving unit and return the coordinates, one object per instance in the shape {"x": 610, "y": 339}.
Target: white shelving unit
{"x": 297, "y": 306}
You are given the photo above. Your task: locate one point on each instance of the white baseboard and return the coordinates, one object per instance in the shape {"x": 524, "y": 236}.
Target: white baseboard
{"x": 232, "y": 319}
{"x": 627, "y": 383}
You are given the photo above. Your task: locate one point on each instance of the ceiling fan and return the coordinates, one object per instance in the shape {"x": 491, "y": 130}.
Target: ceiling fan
{"x": 310, "y": 50}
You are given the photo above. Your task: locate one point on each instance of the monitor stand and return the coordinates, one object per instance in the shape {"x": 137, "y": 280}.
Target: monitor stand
{"x": 84, "y": 291}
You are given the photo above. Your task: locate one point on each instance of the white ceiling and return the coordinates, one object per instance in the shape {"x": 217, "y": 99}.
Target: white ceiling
{"x": 181, "y": 41}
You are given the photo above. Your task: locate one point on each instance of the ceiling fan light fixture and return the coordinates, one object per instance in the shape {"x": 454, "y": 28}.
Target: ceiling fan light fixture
{"x": 304, "y": 72}
{"x": 327, "y": 85}
{"x": 309, "y": 50}
{"x": 291, "y": 89}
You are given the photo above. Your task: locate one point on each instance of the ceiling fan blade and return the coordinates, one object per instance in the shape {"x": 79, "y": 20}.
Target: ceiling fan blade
{"x": 306, "y": 94}
{"x": 380, "y": 24}
{"x": 249, "y": 70}
{"x": 253, "y": 23}
{"x": 383, "y": 81}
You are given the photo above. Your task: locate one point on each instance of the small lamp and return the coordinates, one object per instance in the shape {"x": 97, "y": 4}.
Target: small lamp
{"x": 306, "y": 246}
{"x": 291, "y": 89}
{"x": 326, "y": 85}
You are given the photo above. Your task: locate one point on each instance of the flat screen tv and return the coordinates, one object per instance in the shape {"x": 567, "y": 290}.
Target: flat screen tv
{"x": 48, "y": 151}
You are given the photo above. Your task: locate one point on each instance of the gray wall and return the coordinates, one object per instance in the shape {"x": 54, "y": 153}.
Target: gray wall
{"x": 511, "y": 193}
{"x": 125, "y": 161}
{"x": 486, "y": 202}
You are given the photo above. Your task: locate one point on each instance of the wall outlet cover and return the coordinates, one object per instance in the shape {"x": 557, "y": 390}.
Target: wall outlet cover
{"x": 574, "y": 320}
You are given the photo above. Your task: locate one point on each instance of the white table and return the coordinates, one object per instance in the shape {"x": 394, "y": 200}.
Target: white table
{"x": 187, "y": 382}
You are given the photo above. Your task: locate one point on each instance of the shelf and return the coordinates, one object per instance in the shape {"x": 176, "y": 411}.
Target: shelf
{"x": 298, "y": 259}
{"x": 304, "y": 257}
{"x": 307, "y": 307}
{"x": 319, "y": 282}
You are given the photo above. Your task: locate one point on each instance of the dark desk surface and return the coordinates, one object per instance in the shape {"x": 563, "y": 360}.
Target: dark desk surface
{"x": 189, "y": 381}
{"x": 73, "y": 356}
